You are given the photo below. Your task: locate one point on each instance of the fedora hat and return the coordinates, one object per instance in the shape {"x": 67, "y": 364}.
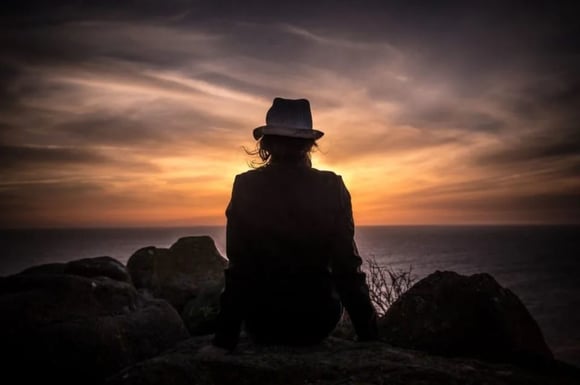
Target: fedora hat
{"x": 289, "y": 117}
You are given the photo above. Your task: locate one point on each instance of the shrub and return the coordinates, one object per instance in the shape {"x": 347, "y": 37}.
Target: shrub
{"x": 385, "y": 286}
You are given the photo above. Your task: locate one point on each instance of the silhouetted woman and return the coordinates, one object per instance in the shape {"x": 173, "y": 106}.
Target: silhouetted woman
{"x": 293, "y": 262}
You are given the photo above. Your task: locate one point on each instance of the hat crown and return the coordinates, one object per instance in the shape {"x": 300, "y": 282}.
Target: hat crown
{"x": 292, "y": 113}
{"x": 289, "y": 117}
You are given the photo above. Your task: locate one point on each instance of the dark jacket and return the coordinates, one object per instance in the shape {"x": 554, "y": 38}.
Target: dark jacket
{"x": 291, "y": 225}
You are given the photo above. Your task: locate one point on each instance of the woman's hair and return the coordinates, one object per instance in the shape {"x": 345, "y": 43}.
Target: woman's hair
{"x": 282, "y": 149}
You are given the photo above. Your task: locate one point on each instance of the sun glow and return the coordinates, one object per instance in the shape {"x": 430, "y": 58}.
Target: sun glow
{"x": 126, "y": 129}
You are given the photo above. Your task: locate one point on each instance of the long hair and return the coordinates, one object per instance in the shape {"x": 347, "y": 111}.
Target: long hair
{"x": 282, "y": 149}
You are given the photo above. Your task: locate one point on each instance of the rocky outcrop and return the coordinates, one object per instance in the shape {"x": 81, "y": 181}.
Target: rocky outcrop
{"x": 73, "y": 329}
{"x": 84, "y": 322}
{"x": 335, "y": 361}
{"x": 98, "y": 267}
{"x": 47, "y": 268}
{"x": 179, "y": 273}
{"x": 189, "y": 275}
{"x": 454, "y": 315}
{"x": 86, "y": 267}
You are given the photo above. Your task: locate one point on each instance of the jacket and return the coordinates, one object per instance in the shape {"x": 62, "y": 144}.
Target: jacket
{"x": 291, "y": 224}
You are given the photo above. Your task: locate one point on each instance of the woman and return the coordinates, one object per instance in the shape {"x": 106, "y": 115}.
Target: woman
{"x": 293, "y": 262}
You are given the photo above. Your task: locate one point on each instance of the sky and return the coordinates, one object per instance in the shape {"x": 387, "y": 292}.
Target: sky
{"x": 136, "y": 113}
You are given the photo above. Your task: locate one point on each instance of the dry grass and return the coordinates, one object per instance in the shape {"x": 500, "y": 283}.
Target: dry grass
{"x": 386, "y": 285}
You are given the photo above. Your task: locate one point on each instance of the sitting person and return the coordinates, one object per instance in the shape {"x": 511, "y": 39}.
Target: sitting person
{"x": 293, "y": 261}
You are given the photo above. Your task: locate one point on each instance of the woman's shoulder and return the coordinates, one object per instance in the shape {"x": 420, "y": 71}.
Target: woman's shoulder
{"x": 261, "y": 171}
{"x": 326, "y": 178}
{"x": 251, "y": 173}
{"x": 327, "y": 173}
{"x": 249, "y": 177}
{"x": 307, "y": 176}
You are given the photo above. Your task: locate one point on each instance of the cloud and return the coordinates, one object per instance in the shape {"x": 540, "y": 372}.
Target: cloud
{"x": 341, "y": 43}
{"x": 11, "y": 156}
{"x": 433, "y": 105}
{"x": 130, "y": 202}
{"x": 559, "y": 207}
{"x": 535, "y": 148}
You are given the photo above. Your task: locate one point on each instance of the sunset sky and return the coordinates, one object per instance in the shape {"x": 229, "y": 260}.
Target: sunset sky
{"x": 135, "y": 113}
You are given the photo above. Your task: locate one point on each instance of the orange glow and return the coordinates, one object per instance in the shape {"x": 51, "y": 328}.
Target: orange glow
{"x": 112, "y": 142}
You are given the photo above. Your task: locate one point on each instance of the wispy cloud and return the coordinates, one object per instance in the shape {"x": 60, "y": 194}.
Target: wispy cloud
{"x": 142, "y": 114}
{"x": 342, "y": 43}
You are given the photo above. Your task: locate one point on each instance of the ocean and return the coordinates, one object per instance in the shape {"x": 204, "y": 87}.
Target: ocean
{"x": 540, "y": 264}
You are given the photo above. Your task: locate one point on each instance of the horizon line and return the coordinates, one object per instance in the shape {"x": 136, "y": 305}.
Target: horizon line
{"x": 145, "y": 227}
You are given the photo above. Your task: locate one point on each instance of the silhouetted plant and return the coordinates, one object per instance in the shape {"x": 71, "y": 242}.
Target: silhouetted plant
{"x": 386, "y": 285}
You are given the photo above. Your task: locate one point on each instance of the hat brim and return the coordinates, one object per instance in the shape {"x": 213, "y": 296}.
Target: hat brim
{"x": 287, "y": 131}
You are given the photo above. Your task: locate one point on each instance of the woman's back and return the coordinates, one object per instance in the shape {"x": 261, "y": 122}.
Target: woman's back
{"x": 293, "y": 262}
{"x": 286, "y": 217}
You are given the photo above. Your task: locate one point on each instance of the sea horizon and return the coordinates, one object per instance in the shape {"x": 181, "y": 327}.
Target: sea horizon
{"x": 154, "y": 226}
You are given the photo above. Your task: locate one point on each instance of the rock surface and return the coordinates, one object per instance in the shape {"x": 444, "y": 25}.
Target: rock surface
{"x": 47, "y": 268}
{"x": 98, "y": 267}
{"x": 64, "y": 328}
{"x": 335, "y": 361}
{"x": 86, "y": 267}
{"x": 200, "y": 313}
{"x": 454, "y": 315}
{"x": 84, "y": 322}
{"x": 180, "y": 273}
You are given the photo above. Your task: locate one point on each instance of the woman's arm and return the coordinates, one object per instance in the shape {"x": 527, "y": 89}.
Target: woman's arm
{"x": 233, "y": 297}
{"x": 348, "y": 278}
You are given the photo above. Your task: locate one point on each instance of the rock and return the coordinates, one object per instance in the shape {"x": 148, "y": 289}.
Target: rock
{"x": 48, "y": 268}
{"x": 99, "y": 267}
{"x": 87, "y": 267}
{"x": 454, "y": 315}
{"x": 142, "y": 267}
{"x": 335, "y": 361}
{"x": 200, "y": 313}
{"x": 66, "y": 329}
{"x": 180, "y": 273}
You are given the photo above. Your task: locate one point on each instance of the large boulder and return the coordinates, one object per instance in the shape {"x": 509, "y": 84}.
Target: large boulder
{"x": 144, "y": 268}
{"x": 65, "y": 328}
{"x": 189, "y": 275}
{"x": 335, "y": 361}
{"x": 86, "y": 267}
{"x": 98, "y": 267}
{"x": 47, "y": 268}
{"x": 469, "y": 316}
